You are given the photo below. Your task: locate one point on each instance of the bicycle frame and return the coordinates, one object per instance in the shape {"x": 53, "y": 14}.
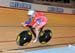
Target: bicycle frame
{"x": 32, "y": 30}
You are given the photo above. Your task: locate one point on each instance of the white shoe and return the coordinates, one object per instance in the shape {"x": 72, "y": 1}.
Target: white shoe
{"x": 34, "y": 41}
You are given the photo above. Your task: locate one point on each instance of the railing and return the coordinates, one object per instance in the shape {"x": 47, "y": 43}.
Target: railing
{"x": 59, "y": 4}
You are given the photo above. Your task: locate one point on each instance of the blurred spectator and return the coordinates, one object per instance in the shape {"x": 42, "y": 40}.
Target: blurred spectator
{"x": 66, "y": 1}
{"x": 25, "y": 0}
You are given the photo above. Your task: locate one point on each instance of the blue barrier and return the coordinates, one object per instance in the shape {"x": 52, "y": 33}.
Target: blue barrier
{"x": 20, "y": 5}
{"x": 56, "y": 9}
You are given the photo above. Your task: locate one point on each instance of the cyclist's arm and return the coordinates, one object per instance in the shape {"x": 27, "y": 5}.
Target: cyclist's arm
{"x": 27, "y": 22}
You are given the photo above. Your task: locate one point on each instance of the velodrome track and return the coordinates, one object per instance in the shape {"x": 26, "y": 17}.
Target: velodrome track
{"x": 62, "y": 26}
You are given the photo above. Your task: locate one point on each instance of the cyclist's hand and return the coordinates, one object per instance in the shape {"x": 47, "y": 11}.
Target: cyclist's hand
{"x": 23, "y": 24}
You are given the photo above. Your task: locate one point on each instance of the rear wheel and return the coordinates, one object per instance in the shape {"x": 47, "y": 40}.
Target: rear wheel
{"x": 45, "y": 36}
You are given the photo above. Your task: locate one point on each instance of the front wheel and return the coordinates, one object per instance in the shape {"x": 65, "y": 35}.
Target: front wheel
{"x": 24, "y": 38}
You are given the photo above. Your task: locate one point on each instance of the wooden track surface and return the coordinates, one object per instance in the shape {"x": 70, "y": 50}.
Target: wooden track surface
{"x": 62, "y": 26}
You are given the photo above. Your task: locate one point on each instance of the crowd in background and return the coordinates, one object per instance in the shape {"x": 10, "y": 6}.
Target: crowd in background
{"x": 62, "y": 3}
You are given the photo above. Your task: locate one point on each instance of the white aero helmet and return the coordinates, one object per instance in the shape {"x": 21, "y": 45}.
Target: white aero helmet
{"x": 31, "y": 12}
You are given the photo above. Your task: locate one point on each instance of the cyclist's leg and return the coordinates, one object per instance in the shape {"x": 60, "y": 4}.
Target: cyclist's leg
{"x": 37, "y": 30}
